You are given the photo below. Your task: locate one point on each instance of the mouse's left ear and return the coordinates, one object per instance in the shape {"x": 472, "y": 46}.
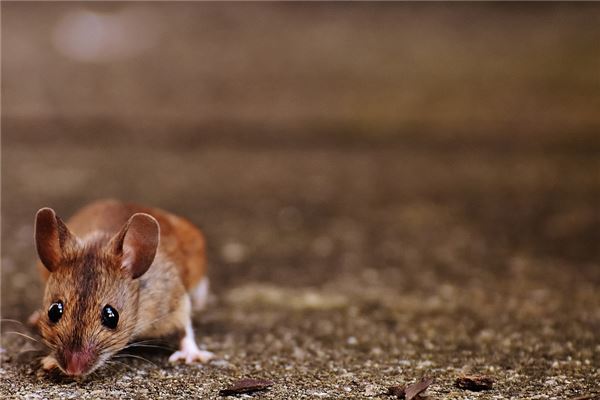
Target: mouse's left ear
{"x": 137, "y": 243}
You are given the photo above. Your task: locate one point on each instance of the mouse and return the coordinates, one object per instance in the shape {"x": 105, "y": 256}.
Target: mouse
{"x": 116, "y": 273}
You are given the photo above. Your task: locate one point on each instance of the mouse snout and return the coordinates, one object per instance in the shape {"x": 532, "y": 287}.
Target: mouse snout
{"x": 78, "y": 362}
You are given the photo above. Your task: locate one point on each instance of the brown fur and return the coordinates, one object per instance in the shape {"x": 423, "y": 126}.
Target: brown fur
{"x": 180, "y": 241}
{"x": 90, "y": 276}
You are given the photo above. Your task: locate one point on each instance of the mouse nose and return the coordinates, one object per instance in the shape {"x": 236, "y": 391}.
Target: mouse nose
{"x": 78, "y": 362}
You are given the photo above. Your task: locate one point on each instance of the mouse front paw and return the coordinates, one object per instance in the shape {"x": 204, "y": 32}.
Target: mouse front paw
{"x": 189, "y": 351}
{"x": 191, "y": 355}
{"x": 49, "y": 363}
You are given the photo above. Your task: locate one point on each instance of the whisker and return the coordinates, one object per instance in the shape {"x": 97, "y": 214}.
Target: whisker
{"x": 23, "y": 335}
{"x": 28, "y": 351}
{"x": 149, "y": 346}
{"x": 11, "y": 320}
{"x": 142, "y": 344}
{"x": 48, "y": 343}
{"x": 125, "y": 332}
{"x": 144, "y": 341}
{"x": 114, "y": 362}
{"x": 112, "y": 340}
{"x": 134, "y": 356}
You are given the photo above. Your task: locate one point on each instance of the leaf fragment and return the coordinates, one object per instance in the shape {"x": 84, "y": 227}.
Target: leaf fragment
{"x": 475, "y": 383}
{"x": 246, "y": 385}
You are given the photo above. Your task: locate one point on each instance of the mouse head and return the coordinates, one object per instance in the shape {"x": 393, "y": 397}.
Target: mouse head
{"x": 91, "y": 298}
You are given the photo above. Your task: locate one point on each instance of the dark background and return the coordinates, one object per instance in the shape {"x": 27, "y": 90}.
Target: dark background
{"x": 388, "y": 190}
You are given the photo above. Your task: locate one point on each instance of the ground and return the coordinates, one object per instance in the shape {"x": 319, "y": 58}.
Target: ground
{"x": 388, "y": 190}
{"x": 340, "y": 268}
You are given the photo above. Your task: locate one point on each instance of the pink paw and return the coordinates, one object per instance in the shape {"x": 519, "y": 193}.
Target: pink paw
{"x": 48, "y": 364}
{"x": 190, "y": 356}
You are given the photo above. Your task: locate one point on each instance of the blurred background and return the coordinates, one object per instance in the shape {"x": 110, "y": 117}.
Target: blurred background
{"x": 395, "y": 159}
{"x": 310, "y": 70}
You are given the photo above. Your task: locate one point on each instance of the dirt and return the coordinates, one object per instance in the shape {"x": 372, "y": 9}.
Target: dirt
{"x": 339, "y": 271}
{"x": 389, "y": 191}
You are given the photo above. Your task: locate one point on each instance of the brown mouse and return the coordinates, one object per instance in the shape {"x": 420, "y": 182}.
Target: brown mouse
{"x": 119, "y": 272}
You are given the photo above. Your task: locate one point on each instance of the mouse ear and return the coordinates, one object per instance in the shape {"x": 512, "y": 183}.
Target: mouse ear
{"x": 52, "y": 237}
{"x": 137, "y": 243}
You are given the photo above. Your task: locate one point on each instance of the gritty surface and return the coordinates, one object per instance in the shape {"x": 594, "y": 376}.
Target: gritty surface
{"x": 340, "y": 271}
{"x": 388, "y": 191}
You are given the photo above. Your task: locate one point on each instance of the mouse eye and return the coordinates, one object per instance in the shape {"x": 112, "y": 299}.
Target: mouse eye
{"x": 110, "y": 317}
{"x": 55, "y": 311}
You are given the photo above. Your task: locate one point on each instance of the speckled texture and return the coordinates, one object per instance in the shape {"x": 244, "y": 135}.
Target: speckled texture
{"x": 387, "y": 190}
{"x": 338, "y": 272}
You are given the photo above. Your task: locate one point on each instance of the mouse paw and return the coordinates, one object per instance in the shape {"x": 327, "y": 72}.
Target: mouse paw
{"x": 48, "y": 363}
{"x": 189, "y": 351}
{"x": 191, "y": 355}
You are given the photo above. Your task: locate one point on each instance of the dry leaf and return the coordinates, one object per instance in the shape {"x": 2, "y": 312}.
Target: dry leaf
{"x": 411, "y": 391}
{"x": 414, "y": 389}
{"x": 397, "y": 391}
{"x": 247, "y": 385}
{"x": 474, "y": 383}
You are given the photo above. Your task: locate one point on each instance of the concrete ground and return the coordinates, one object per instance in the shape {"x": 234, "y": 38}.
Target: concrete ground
{"x": 339, "y": 270}
{"x": 388, "y": 190}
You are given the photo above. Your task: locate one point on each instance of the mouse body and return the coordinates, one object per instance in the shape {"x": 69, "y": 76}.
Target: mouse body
{"x": 116, "y": 273}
